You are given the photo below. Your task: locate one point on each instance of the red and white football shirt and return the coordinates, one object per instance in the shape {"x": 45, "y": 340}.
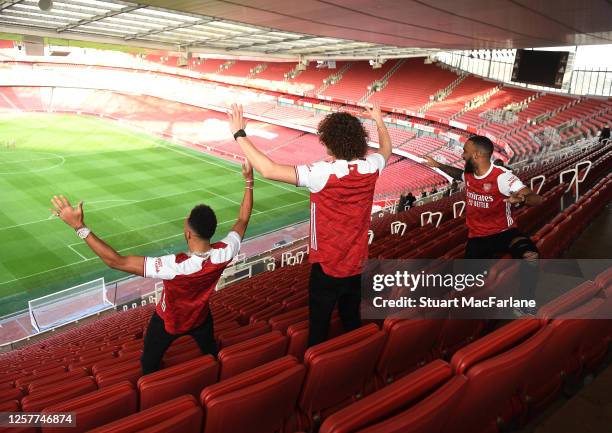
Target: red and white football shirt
{"x": 486, "y": 211}
{"x": 341, "y": 195}
{"x": 189, "y": 280}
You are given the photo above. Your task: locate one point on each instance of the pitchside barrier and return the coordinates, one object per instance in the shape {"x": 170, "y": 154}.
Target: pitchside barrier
{"x": 70, "y": 304}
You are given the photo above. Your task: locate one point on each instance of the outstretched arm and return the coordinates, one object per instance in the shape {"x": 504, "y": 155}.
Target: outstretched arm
{"x": 454, "y": 172}
{"x": 74, "y": 218}
{"x": 264, "y": 165}
{"x": 247, "y": 201}
{"x": 384, "y": 140}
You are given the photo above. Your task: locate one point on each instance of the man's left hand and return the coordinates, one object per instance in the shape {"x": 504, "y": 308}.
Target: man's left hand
{"x": 64, "y": 210}
{"x": 236, "y": 119}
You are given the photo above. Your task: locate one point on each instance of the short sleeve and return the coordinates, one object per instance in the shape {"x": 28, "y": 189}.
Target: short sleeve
{"x": 508, "y": 183}
{"x": 163, "y": 267}
{"x": 313, "y": 176}
{"x": 377, "y": 161}
{"x": 229, "y": 251}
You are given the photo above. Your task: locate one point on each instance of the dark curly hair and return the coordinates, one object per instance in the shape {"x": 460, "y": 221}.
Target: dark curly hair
{"x": 344, "y": 135}
{"x": 203, "y": 221}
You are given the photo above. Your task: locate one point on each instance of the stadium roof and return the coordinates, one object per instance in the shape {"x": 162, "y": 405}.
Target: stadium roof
{"x": 343, "y": 28}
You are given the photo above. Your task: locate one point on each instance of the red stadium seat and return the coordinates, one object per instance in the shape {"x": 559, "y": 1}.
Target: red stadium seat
{"x": 260, "y": 400}
{"x": 130, "y": 370}
{"x": 555, "y": 354}
{"x": 391, "y": 399}
{"x": 337, "y": 372}
{"x": 251, "y": 353}
{"x": 282, "y": 321}
{"x": 10, "y": 406}
{"x": 264, "y": 314}
{"x": 96, "y": 408}
{"x": 243, "y": 333}
{"x": 298, "y": 336}
{"x": 187, "y": 378}
{"x": 493, "y": 366}
{"x": 427, "y": 416}
{"x": 53, "y": 379}
{"x": 57, "y": 393}
{"x": 180, "y": 415}
{"x": 9, "y": 394}
{"x": 409, "y": 344}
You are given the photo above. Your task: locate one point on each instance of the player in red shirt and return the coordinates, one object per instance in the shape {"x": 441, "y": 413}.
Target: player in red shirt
{"x": 189, "y": 278}
{"x": 491, "y": 192}
{"x": 341, "y": 195}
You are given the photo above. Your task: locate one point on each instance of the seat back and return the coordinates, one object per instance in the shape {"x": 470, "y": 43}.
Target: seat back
{"x": 243, "y": 333}
{"x": 338, "y": 369}
{"x": 282, "y": 321}
{"x": 298, "y": 336}
{"x": 409, "y": 344}
{"x": 389, "y": 400}
{"x": 251, "y": 353}
{"x": 427, "y": 416}
{"x": 493, "y": 366}
{"x": 57, "y": 393}
{"x": 569, "y": 300}
{"x": 190, "y": 377}
{"x": 96, "y": 408}
{"x": 257, "y": 401}
{"x": 555, "y": 354}
{"x": 179, "y": 415}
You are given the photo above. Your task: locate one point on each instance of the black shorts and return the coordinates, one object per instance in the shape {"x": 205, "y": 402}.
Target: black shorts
{"x": 489, "y": 247}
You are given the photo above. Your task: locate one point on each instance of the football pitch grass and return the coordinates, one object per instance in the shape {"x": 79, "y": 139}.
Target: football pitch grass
{"x": 137, "y": 190}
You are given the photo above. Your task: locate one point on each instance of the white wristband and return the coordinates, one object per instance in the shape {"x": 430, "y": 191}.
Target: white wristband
{"x": 83, "y": 232}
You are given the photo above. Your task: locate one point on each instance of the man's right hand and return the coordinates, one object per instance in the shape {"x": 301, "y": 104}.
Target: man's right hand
{"x": 429, "y": 161}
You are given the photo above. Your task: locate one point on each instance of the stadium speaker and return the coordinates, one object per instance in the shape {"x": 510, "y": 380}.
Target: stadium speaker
{"x": 45, "y": 5}
{"x": 34, "y": 45}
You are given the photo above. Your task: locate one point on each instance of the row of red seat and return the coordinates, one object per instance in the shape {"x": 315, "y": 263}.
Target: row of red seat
{"x": 524, "y": 360}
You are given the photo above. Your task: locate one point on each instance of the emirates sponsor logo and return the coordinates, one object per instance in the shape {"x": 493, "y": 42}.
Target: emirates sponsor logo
{"x": 479, "y": 200}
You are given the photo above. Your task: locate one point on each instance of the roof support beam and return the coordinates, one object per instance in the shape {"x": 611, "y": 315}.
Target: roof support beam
{"x": 99, "y": 17}
{"x": 225, "y": 38}
{"x": 271, "y": 42}
{"x": 169, "y": 28}
{"x": 8, "y": 4}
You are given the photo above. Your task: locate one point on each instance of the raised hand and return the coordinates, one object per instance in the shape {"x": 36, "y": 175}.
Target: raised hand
{"x": 374, "y": 112}
{"x": 236, "y": 120}
{"x": 247, "y": 171}
{"x": 64, "y": 210}
{"x": 430, "y": 161}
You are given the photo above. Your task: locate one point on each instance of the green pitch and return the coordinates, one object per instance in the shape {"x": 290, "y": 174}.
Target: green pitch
{"x": 136, "y": 191}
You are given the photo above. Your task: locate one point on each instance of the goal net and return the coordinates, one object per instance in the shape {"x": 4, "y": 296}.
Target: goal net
{"x": 69, "y": 305}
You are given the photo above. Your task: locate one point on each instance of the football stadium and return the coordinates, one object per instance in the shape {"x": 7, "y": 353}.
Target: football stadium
{"x": 301, "y": 217}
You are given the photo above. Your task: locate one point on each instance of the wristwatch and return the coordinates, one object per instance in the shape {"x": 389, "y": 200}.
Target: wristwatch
{"x": 83, "y": 232}
{"x": 239, "y": 133}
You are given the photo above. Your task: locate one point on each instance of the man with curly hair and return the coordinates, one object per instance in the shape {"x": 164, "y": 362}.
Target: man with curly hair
{"x": 341, "y": 195}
